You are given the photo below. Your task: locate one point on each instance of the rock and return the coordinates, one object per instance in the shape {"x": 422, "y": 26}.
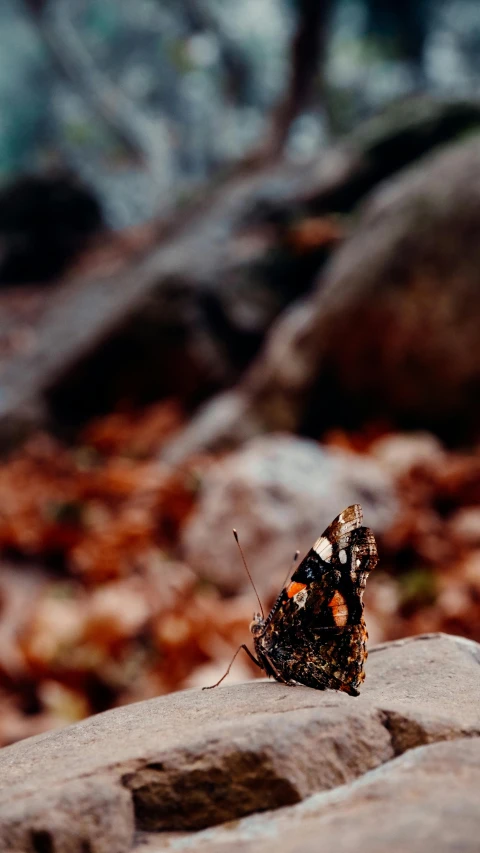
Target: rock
{"x": 212, "y": 281}
{"x": 400, "y": 452}
{"x": 394, "y": 336}
{"x": 424, "y": 802}
{"x": 391, "y": 330}
{"x": 401, "y": 670}
{"x": 280, "y": 493}
{"x": 89, "y": 815}
{"x": 194, "y": 759}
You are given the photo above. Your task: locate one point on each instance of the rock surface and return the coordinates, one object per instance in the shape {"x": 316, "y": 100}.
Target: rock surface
{"x": 426, "y": 800}
{"x": 280, "y": 493}
{"x": 195, "y": 759}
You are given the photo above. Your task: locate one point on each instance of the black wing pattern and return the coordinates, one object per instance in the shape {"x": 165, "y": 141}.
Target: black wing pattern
{"x": 315, "y": 634}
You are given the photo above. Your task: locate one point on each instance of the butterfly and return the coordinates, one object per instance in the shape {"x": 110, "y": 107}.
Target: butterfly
{"x": 315, "y": 633}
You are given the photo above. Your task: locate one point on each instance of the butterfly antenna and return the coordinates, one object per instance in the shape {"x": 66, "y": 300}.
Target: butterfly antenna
{"x": 295, "y": 558}
{"x": 248, "y": 573}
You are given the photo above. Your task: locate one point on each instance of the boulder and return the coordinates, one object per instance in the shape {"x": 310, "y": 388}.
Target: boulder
{"x": 193, "y": 760}
{"x": 390, "y": 332}
{"x": 280, "y": 493}
{"x": 196, "y": 292}
{"x": 424, "y": 802}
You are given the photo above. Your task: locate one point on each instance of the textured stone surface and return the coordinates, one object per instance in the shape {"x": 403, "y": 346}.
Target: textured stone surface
{"x": 424, "y": 802}
{"x": 194, "y": 759}
{"x": 280, "y": 493}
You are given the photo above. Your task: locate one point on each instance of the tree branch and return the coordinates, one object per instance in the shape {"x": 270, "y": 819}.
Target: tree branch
{"x": 306, "y": 58}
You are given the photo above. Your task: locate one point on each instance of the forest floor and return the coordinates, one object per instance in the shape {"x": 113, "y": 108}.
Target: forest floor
{"x": 98, "y": 607}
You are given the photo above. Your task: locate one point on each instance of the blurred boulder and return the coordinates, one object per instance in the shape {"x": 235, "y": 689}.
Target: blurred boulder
{"x": 391, "y": 332}
{"x": 45, "y": 221}
{"x": 396, "y": 318}
{"x": 199, "y": 300}
{"x": 400, "y": 452}
{"x": 280, "y": 493}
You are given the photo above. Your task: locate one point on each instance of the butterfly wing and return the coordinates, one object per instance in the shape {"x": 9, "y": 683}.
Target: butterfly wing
{"x": 315, "y": 633}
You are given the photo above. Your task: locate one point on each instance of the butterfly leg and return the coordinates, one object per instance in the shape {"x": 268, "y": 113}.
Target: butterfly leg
{"x": 252, "y": 657}
{"x": 271, "y": 669}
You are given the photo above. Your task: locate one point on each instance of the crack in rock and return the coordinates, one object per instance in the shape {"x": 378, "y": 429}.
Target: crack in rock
{"x": 425, "y": 800}
{"x": 257, "y": 770}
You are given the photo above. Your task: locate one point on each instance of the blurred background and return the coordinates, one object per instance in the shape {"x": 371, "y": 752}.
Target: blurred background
{"x": 239, "y": 287}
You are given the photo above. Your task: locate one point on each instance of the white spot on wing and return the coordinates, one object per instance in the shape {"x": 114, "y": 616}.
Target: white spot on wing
{"x": 300, "y": 598}
{"x": 342, "y": 556}
{"x": 323, "y": 547}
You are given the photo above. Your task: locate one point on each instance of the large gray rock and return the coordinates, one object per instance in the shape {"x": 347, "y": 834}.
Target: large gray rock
{"x": 194, "y": 759}
{"x": 424, "y": 802}
{"x": 280, "y": 493}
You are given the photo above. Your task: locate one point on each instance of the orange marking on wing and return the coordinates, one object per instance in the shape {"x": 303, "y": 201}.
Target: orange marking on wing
{"x": 338, "y": 606}
{"x": 294, "y": 588}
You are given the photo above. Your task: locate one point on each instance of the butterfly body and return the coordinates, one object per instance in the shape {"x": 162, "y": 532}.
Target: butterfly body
{"x": 315, "y": 633}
